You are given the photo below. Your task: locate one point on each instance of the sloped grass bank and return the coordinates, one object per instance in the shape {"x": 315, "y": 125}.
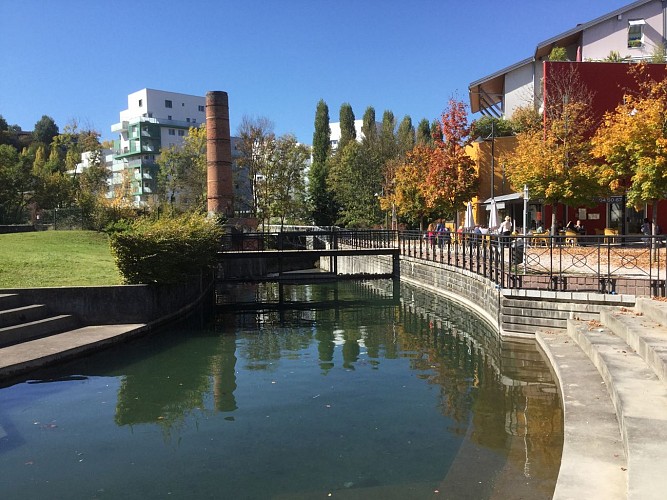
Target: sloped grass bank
{"x": 56, "y": 258}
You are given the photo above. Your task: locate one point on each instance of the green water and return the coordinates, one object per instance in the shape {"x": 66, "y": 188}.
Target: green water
{"x": 349, "y": 394}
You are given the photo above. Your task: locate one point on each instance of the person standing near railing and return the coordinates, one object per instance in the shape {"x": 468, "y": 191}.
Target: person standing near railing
{"x": 505, "y": 229}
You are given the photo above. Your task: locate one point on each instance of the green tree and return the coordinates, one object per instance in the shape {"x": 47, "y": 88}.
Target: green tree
{"x": 182, "y": 175}
{"x": 256, "y": 142}
{"x": 282, "y": 184}
{"x": 45, "y": 130}
{"x": 356, "y": 181}
{"x": 347, "y": 131}
{"x": 15, "y": 183}
{"x": 486, "y": 125}
{"x": 369, "y": 126}
{"x": 322, "y": 203}
{"x": 405, "y": 136}
{"x": 388, "y": 144}
{"x": 558, "y": 54}
{"x": 424, "y": 133}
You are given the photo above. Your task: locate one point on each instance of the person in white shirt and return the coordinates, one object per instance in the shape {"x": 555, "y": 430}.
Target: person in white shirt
{"x": 505, "y": 228}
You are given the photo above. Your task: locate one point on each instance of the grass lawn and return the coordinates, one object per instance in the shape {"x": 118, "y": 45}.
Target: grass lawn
{"x": 56, "y": 258}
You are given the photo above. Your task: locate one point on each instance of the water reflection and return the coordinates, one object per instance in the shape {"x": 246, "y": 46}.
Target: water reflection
{"x": 253, "y": 366}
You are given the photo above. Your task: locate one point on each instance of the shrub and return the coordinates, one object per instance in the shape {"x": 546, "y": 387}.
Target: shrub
{"x": 168, "y": 250}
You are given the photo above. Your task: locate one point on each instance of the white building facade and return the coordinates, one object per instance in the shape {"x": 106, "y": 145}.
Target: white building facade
{"x": 154, "y": 119}
{"x": 635, "y": 32}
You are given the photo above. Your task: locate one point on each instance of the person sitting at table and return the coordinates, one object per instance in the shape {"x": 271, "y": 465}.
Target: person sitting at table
{"x": 579, "y": 228}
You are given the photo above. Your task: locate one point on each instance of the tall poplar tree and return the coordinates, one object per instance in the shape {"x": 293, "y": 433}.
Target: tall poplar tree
{"x": 405, "y": 136}
{"x": 388, "y": 146}
{"x": 320, "y": 199}
{"x": 424, "y": 133}
{"x": 347, "y": 130}
{"x": 369, "y": 127}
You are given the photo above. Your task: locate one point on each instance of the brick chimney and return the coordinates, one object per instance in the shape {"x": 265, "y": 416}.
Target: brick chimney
{"x": 220, "y": 198}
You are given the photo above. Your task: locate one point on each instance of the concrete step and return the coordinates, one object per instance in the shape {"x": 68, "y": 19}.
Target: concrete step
{"x": 21, "y": 358}
{"x": 655, "y": 310}
{"x": 646, "y": 337}
{"x": 35, "y": 329}
{"x": 23, "y": 314}
{"x": 593, "y": 462}
{"x": 640, "y": 400}
{"x": 9, "y": 300}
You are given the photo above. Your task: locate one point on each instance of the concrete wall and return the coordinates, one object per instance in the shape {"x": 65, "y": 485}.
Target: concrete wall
{"x": 116, "y": 304}
{"x": 18, "y": 228}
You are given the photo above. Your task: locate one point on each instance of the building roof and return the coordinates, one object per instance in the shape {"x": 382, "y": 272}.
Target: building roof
{"x": 486, "y": 93}
{"x": 567, "y": 37}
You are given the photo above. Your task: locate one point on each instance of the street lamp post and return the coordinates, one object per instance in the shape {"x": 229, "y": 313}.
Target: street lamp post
{"x": 492, "y": 138}
{"x": 525, "y": 208}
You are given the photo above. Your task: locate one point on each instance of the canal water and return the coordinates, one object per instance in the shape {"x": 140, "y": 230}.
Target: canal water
{"x": 336, "y": 390}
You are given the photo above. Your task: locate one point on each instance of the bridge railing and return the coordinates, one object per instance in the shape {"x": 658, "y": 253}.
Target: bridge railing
{"x": 604, "y": 264}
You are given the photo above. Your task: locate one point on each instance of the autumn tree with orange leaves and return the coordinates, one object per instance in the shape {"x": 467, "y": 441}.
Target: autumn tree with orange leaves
{"x": 437, "y": 180}
{"x": 632, "y": 143}
{"x": 451, "y": 180}
{"x": 555, "y": 162}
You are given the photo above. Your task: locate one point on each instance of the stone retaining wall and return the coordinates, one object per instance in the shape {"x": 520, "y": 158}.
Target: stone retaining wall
{"x": 106, "y": 305}
{"x": 512, "y": 312}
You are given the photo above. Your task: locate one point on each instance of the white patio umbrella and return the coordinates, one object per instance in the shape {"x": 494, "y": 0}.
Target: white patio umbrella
{"x": 493, "y": 215}
{"x": 469, "y": 221}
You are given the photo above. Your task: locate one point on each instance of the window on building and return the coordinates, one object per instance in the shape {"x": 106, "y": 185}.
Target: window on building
{"x": 636, "y": 33}
{"x": 172, "y": 131}
{"x": 150, "y": 115}
{"x": 187, "y": 120}
{"x": 167, "y": 103}
{"x": 182, "y": 104}
{"x": 168, "y": 117}
{"x": 141, "y": 102}
{"x": 181, "y": 133}
{"x": 194, "y": 120}
{"x": 201, "y": 108}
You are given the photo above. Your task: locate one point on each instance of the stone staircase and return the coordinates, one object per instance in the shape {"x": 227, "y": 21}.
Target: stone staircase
{"x": 32, "y": 336}
{"x": 613, "y": 379}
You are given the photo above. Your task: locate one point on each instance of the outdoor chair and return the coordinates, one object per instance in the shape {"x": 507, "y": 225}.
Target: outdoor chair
{"x": 609, "y": 235}
{"x": 540, "y": 239}
{"x": 571, "y": 238}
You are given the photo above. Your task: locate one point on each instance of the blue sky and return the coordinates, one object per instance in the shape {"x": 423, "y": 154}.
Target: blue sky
{"x": 76, "y": 59}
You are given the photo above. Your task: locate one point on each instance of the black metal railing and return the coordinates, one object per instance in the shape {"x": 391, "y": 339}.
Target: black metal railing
{"x": 604, "y": 264}
{"x": 600, "y": 263}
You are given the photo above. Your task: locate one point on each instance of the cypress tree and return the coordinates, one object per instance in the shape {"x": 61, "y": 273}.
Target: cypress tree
{"x": 424, "y": 133}
{"x": 406, "y": 136}
{"x": 319, "y": 194}
{"x": 387, "y": 136}
{"x": 347, "y": 130}
{"x": 369, "y": 127}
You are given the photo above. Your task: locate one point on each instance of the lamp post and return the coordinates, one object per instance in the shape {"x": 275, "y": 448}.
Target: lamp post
{"x": 525, "y": 207}
{"x": 492, "y": 138}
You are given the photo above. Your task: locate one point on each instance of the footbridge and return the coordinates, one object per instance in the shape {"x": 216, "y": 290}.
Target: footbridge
{"x": 295, "y": 256}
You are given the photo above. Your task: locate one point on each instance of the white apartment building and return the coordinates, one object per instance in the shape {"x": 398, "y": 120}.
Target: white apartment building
{"x": 634, "y": 32}
{"x": 334, "y": 137}
{"x": 154, "y": 119}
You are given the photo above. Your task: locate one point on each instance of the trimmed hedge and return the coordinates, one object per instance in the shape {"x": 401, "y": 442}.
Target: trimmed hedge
{"x": 168, "y": 250}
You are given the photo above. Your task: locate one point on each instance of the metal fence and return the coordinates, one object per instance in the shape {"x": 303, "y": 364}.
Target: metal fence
{"x": 633, "y": 264}
{"x": 603, "y": 264}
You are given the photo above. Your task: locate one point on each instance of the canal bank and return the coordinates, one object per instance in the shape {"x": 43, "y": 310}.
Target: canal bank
{"x": 43, "y": 326}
